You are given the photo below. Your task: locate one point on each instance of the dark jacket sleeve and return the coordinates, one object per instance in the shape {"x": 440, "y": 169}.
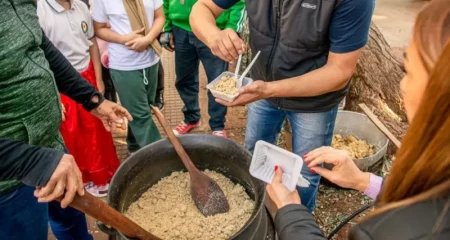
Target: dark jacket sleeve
{"x": 295, "y": 222}
{"x": 30, "y": 164}
{"x": 68, "y": 80}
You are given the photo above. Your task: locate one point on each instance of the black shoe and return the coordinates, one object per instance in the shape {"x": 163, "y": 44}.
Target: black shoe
{"x": 159, "y": 101}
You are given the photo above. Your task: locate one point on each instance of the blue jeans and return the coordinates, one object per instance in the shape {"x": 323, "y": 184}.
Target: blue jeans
{"x": 189, "y": 51}
{"x": 22, "y": 217}
{"x": 309, "y": 131}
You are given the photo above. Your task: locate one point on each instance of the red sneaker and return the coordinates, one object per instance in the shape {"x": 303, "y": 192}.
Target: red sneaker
{"x": 184, "y": 128}
{"x": 220, "y": 133}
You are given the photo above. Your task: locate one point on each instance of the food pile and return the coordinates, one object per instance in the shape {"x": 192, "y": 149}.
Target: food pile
{"x": 357, "y": 148}
{"x": 167, "y": 210}
{"x": 227, "y": 85}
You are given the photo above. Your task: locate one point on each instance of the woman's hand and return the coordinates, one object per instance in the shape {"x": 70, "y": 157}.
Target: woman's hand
{"x": 63, "y": 111}
{"x": 345, "y": 173}
{"x": 279, "y": 193}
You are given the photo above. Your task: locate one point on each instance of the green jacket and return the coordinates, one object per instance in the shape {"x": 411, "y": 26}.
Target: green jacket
{"x": 30, "y": 108}
{"x": 178, "y": 14}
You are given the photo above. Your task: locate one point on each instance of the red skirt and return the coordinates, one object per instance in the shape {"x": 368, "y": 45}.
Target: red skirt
{"x": 87, "y": 139}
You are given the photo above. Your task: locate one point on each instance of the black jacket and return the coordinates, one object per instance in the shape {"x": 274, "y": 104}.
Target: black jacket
{"x": 34, "y": 165}
{"x": 424, "y": 220}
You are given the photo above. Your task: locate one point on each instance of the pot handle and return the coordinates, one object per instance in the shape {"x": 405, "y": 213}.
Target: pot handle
{"x": 107, "y": 230}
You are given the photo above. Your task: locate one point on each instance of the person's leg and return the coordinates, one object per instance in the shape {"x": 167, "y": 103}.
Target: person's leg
{"x": 21, "y": 216}
{"x": 214, "y": 66}
{"x": 310, "y": 131}
{"x": 67, "y": 223}
{"x": 186, "y": 69}
{"x": 132, "y": 91}
{"x": 264, "y": 122}
{"x": 151, "y": 74}
{"x": 133, "y": 146}
{"x": 159, "y": 98}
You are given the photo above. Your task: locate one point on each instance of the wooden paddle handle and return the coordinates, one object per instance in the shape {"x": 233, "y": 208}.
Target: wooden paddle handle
{"x": 101, "y": 211}
{"x": 174, "y": 140}
{"x": 380, "y": 125}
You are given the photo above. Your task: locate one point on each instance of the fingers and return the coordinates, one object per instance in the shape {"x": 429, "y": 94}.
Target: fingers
{"x": 80, "y": 186}
{"x": 231, "y": 47}
{"x": 71, "y": 189}
{"x": 130, "y": 43}
{"x": 139, "y": 31}
{"x": 278, "y": 178}
{"x": 58, "y": 190}
{"x": 39, "y": 193}
{"x": 123, "y": 112}
{"x": 106, "y": 125}
{"x": 325, "y": 157}
{"x": 223, "y": 52}
{"x": 323, "y": 172}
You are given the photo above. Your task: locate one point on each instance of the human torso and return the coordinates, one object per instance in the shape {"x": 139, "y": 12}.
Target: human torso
{"x": 69, "y": 30}
{"x": 293, "y": 39}
{"x": 120, "y": 57}
{"x": 29, "y": 100}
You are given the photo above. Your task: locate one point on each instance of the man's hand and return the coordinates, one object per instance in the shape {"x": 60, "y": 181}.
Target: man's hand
{"x": 226, "y": 45}
{"x": 248, "y": 94}
{"x": 279, "y": 193}
{"x": 111, "y": 114}
{"x": 139, "y": 44}
{"x": 133, "y": 35}
{"x": 66, "y": 180}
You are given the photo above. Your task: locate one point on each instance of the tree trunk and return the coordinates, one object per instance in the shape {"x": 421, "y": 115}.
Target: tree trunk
{"x": 376, "y": 83}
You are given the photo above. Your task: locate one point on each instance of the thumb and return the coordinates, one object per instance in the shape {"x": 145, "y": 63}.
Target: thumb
{"x": 139, "y": 30}
{"x": 248, "y": 89}
{"x": 278, "y": 178}
{"x": 322, "y": 172}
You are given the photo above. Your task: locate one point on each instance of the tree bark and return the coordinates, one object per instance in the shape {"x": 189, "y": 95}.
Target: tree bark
{"x": 376, "y": 83}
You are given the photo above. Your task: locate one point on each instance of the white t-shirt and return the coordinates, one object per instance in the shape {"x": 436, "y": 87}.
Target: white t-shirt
{"x": 120, "y": 57}
{"x": 69, "y": 30}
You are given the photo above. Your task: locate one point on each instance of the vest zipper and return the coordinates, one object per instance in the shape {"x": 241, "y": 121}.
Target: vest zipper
{"x": 274, "y": 47}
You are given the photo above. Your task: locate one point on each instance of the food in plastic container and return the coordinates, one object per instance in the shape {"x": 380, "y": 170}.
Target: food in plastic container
{"x": 226, "y": 86}
{"x": 266, "y": 156}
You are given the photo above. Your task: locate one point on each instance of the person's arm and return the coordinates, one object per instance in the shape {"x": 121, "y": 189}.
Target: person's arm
{"x": 237, "y": 17}
{"x": 30, "y": 164}
{"x": 168, "y": 23}
{"x": 225, "y": 44}
{"x": 292, "y": 220}
{"x": 103, "y": 31}
{"x": 295, "y": 222}
{"x": 94, "y": 52}
{"x": 141, "y": 44}
{"x": 348, "y": 34}
{"x": 68, "y": 80}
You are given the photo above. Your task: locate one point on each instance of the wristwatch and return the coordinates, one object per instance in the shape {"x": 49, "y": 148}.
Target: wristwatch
{"x": 91, "y": 104}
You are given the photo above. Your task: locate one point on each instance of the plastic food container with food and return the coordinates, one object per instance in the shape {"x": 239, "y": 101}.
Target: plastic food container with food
{"x": 227, "y": 97}
{"x": 266, "y": 156}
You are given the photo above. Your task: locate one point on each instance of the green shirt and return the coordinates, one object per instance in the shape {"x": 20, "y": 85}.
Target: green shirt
{"x": 178, "y": 11}
{"x": 30, "y": 108}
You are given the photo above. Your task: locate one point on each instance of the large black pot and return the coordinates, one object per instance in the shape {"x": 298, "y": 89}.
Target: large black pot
{"x": 147, "y": 166}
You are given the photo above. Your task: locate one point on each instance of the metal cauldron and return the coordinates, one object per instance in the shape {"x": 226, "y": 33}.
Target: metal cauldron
{"x": 155, "y": 161}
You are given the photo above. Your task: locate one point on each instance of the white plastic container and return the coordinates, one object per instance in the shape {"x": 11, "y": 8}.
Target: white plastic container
{"x": 229, "y": 98}
{"x": 266, "y": 156}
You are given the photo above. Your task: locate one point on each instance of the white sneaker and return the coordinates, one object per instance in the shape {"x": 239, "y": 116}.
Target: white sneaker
{"x": 98, "y": 191}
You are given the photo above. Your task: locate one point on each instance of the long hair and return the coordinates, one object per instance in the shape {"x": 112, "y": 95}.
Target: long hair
{"x": 422, "y": 167}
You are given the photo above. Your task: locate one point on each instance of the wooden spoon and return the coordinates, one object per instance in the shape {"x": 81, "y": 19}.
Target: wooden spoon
{"x": 205, "y": 192}
{"x": 101, "y": 211}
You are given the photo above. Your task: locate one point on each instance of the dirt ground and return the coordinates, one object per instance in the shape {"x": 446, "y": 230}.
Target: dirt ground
{"x": 395, "y": 19}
